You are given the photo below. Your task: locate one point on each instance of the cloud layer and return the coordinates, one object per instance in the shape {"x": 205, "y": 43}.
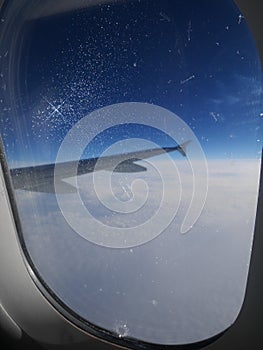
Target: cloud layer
{"x": 174, "y": 289}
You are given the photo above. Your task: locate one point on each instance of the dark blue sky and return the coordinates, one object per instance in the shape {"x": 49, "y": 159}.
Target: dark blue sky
{"x": 195, "y": 58}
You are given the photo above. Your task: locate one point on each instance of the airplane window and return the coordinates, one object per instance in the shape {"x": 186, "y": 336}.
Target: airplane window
{"x": 133, "y": 136}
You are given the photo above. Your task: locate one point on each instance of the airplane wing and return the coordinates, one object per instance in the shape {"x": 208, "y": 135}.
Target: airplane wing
{"x": 40, "y": 178}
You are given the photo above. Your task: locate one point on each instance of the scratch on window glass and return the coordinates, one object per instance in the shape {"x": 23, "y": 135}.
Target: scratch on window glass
{"x": 165, "y": 17}
{"x": 189, "y": 30}
{"x": 214, "y": 116}
{"x": 188, "y": 79}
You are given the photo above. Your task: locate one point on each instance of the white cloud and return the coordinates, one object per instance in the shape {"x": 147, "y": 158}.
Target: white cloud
{"x": 197, "y": 280}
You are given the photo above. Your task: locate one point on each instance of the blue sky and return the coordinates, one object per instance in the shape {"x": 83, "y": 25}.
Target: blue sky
{"x": 195, "y": 58}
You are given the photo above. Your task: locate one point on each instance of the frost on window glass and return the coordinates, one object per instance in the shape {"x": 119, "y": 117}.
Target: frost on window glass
{"x": 133, "y": 135}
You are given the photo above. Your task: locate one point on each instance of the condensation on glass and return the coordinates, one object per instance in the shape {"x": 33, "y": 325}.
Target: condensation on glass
{"x": 133, "y": 135}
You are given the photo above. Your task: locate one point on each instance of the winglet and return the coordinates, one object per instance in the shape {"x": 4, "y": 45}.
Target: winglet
{"x": 182, "y": 148}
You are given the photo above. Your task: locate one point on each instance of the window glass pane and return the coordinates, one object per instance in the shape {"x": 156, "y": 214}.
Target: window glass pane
{"x": 133, "y": 135}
